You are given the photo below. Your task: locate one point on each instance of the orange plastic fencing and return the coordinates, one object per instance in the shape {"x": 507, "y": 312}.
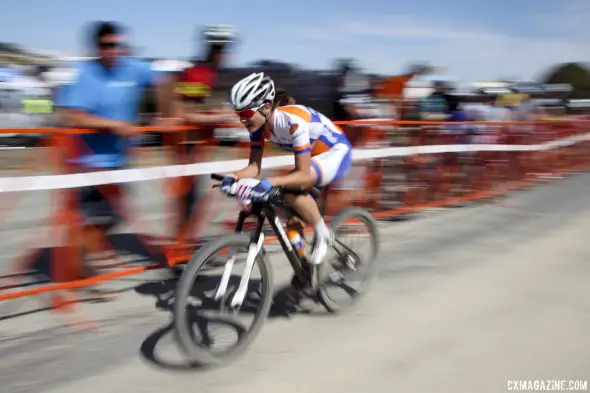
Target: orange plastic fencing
{"x": 396, "y": 185}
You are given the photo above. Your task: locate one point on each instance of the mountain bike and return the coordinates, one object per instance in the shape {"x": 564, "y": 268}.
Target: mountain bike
{"x": 337, "y": 268}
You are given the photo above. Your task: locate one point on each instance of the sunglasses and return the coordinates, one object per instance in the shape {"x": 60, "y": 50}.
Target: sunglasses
{"x": 248, "y": 113}
{"x": 110, "y": 45}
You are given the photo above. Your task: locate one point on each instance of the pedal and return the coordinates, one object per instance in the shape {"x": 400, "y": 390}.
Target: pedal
{"x": 337, "y": 277}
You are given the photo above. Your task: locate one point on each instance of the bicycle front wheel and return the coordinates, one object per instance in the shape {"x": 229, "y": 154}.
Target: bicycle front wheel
{"x": 207, "y": 310}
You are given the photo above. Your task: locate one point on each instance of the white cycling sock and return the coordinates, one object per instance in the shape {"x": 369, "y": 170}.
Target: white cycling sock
{"x": 321, "y": 229}
{"x": 322, "y": 239}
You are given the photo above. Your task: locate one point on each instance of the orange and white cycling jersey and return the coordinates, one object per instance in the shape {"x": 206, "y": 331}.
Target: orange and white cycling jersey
{"x": 301, "y": 129}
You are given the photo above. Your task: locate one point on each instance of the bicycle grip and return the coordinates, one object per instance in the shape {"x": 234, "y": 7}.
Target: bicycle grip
{"x": 216, "y": 176}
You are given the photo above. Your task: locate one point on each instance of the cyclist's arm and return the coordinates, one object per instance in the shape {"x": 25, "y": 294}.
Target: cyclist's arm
{"x": 256, "y": 152}
{"x": 302, "y": 176}
{"x": 253, "y": 168}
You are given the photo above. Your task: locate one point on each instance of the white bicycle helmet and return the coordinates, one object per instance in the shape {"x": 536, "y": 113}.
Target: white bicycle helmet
{"x": 252, "y": 92}
{"x": 218, "y": 34}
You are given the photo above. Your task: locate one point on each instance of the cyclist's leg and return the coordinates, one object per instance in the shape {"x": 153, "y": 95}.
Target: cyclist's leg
{"x": 330, "y": 167}
{"x": 296, "y": 225}
{"x": 327, "y": 167}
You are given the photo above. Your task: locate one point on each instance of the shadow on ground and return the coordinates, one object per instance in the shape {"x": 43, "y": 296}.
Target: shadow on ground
{"x": 285, "y": 304}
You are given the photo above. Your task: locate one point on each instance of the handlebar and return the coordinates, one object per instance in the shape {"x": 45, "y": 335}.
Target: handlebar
{"x": 284, "y": 190}
{"x": 215, "y": 176}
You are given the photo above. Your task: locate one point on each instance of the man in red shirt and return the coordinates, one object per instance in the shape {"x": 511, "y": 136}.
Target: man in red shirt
{"x": 192, "y": 91}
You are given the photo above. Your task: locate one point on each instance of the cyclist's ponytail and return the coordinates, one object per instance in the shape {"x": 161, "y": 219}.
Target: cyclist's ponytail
{"x": 282, "y": 98}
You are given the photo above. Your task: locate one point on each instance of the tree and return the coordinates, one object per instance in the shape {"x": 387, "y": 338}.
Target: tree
{"x": 574, "y": 74}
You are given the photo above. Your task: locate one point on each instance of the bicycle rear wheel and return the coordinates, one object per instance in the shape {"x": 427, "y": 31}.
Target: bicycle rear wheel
{"x": 201, "y": 351}
{"x": 346, "y": 262}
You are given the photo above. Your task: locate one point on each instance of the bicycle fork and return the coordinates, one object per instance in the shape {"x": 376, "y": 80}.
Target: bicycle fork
{"x": 253, "y": 249}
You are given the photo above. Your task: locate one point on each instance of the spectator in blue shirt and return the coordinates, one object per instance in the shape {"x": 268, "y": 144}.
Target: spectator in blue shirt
{"x": 105, "y": 96}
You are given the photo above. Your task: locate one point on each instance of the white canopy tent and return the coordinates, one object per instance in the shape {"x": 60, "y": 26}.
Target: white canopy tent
{"x": 170, "y": 65}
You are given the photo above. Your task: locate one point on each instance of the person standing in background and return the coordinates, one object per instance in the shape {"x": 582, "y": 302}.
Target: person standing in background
{"x": 500, "y": 112}
{"x": 392, "y": 88}
{"x": 526, "y": 111}
{"x": 435, "y": 107}
{"x": 190, "y": 92}
{"x": 104, "y": 96}
{"x": 476, "y": 111}
{"x": 351, "y": 100}
{"x": 456, "y": 114}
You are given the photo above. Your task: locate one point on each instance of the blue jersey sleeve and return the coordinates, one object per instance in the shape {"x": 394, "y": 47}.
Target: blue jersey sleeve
{"x": 60, "y": 94}
{"x": 78, "y": 94}
{"x": 256, "y": 140}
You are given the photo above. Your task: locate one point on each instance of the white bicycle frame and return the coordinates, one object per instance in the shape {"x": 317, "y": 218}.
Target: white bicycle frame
{"x": 254, "y": 248}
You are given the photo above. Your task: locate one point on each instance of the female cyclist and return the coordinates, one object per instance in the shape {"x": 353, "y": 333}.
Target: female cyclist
{"x": 322, "y": 153}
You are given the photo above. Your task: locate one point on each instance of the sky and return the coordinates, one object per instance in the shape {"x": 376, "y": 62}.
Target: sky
{"x": 473, "y": 40}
